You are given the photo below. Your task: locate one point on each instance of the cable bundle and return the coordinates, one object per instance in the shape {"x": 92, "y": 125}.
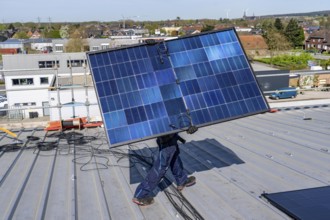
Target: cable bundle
{"x": 46, "y": 145}
{"x": 11, "y": 147}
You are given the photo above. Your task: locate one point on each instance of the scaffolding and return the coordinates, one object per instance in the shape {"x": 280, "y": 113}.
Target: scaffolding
{"x": 16, "y": 112}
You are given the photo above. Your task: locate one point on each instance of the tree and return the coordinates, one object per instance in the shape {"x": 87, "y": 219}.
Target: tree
{"x": 278, "y": 25}
{"x": 21, "y": 35}
{"x": 275, "y": 41}
{"x": 207, "y": 28}
{"x": 76, "y": 43}
{"x": 2, "y": 27}
{"x": 178, "y": 21}
{"x": 267, "y": 25}
{"x": 294, "y": 33}
{"x": 64, "y": 31}
{"x": 11, "y": 27}
{"x": 53, "y": 34}
{"x": 325, "y": 22}
{"x": 151, "y": 27}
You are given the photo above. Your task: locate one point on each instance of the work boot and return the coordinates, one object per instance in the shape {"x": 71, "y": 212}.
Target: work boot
{"x": 143, "y": 201}
{"x": 189, "y": 182}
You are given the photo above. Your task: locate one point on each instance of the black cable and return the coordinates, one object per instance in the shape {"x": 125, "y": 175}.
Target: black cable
{"x": 89, "y": 154}
{"x": 11, "y": 147}
{"x": 59, "y": 134}
{"x": 88, "y": 149}
{"x": 46, "y": 145}
{"x": 183, "y": 202}
{"x": 33, "y": 138}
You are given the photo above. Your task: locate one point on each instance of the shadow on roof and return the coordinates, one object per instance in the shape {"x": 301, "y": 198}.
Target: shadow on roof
{"x": 197, "y": 156}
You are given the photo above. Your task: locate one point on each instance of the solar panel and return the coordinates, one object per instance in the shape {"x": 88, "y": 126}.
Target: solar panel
{"x": 149, "y": 90}
{"x": 305, "y": 204}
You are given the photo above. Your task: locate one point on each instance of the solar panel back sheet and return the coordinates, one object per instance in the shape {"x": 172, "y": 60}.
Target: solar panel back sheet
{"x": 150, "y": 90}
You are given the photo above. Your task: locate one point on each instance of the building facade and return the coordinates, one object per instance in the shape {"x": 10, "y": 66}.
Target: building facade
{"x": 319, "y": 41}
{"x": 18, "y": 45}
{"x": 31, "y": 85}
{"x": 94, "y": 44}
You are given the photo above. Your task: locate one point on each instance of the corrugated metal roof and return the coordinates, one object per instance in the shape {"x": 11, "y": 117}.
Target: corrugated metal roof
{"x": 15, "y": 41}
{"x": 234, "y": 163}
{"x": 40, "y": 40}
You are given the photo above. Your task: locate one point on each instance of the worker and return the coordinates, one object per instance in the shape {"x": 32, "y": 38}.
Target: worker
{"x": 168, "y": 157}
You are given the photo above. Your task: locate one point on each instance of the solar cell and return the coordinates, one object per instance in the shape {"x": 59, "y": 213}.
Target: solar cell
{"x": 150, "y": 90}
{"x": 312, "y": 203}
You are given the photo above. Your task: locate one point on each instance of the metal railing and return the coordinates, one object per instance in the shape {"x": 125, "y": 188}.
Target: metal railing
{"x": 18, "y": 112}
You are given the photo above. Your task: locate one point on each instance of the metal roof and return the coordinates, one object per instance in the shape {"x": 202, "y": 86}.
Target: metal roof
{"x": 15, "y": 41}
{"x": 234, "y": 163}
{"x": 40, "y": 40}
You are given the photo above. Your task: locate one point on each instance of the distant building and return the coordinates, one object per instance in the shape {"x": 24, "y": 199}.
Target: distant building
{"x": 249, "y": 18}
{"x": 18, "y": 45}
{"x": 311, "y": 29}
{"x": 318, "y": 40}
{"x": 243, "y": 29}
{"x": 192, "y": 29}
{"x": 13, "y": 46}
{"x": 95, "y": 44}
{"x": 30, "y": 81}
{"x": 7, "y": 33}
{"x": 42, "y": 44}
{"x": 172, "y": 31}
{"x": 35, "y": 35}
{"x": 254, "y": 45}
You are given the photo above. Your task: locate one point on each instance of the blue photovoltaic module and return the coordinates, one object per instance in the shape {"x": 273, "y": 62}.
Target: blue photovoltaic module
{"x": 150, "y": 90}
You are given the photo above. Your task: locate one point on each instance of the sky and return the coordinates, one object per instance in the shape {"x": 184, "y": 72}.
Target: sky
{"x": 147, "y": 10}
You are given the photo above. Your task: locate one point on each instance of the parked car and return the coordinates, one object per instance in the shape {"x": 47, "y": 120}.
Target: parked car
{"x": 325, "y": 87}
{"x": 284, "y": 93}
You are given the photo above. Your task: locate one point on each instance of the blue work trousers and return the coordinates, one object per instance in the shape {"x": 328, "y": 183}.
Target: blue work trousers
{"x": 168, "y": 157}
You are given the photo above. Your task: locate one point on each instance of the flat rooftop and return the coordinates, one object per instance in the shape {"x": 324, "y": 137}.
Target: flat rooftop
{"x": 75, "y": 175}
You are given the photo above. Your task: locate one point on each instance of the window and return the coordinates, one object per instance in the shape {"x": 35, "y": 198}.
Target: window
{"x": 59, "y": 48}
{"x": 105, "y": 46}
{"x": 44, "y": 80}
{"x": 49, "y": 64}
{"x": 75, "y": 63}
{"x": 94, "y": 48}
{"x": 20, "y": 82}
{"x": 25, "y": 104}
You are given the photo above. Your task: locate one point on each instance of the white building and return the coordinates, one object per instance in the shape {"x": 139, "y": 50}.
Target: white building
{"x": 31, "y": 84}
{"x": 20, "y": 44}
{"x": 41, "y": 44}
{"x": 95, "y": 44}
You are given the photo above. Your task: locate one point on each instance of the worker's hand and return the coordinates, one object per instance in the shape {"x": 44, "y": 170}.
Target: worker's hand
{"x": 192, "y": 129}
